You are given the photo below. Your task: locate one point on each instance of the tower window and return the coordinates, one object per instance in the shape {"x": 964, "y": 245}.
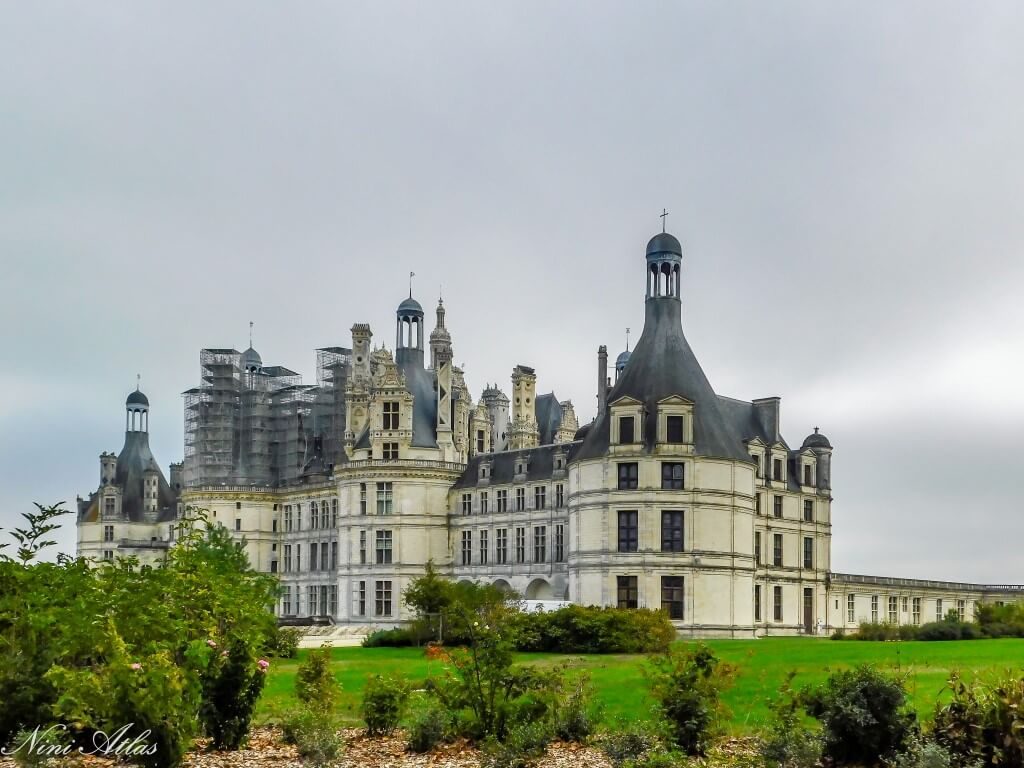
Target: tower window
{"x": 391, "y": 414}
{"x": 777, "y": 599}
{"x": 808, "y": 510}
{"x": 467, "y": 503}
{"x": 628, "y": 476}
{"x": 628, "y": 533}
{"x": 108, "y": 533}
{"x": 674, "y": 429}
{"x": 777, "y": 506}
{"x": 626, "y": 430}
{"x": 383, "y": 548}
{"x": 757, "y": 602}
{"x": 672, "y": 596}
{"x": 539, "y": 497}
{"x": 390, "y": 451}
{"x": 627, "y": 591}
{"x": 757, "y": 548}
{"x": 672, "y": 476}
{"x": 385, "y": 498}
{"x": 808, "y": 552}
{"x": 467, "y": 547}
{"x": 671, "y": 531}
{"x": 777, "y": 549}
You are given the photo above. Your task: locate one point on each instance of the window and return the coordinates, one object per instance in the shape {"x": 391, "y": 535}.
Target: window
{"x": 961, "y": 609}
{"x": 286, "y": 601}
{"x": 520, "y": 545}
{"x": 108, "y": 554}
{"x": 334, "y": 555}
{"x": 467, "y": 547}
{"x": 559, "y": 543}
{"x": 777, "y": 549}
{"x": 938, "y": 610}
{"x": 628, "y": 474}
{"x": 874, "y": 609}
{"x": 325, "y": 515}
{"x": 503, "y": 500}
{"x": 108, "y": 533}
{"x": 894, "y": 616}
{"x": 757, "y": 548}
{"x": 390, "y": 415}
{"x": 362, "y": 547}
{"x": 273, "y": 525}
{"x": 479, "y": 441}
{"x": 776, "y": 469}
{"x": 540, "y": 494}
{"x": 362, "y": 498}
{"x": 467, "y": 503}
{"x": 915, "y": 617}
{"x": 501, "y": 546}
{"x": 671, "y": 531}
{"x": 287, "y": 557}
{"x": 674, "y": 429}
{"x": 672, "y": 596}
{"x": 540, "y": 544}
{"x": 757, "y": 602}
{"x": 559, "y": 495}
{"x": 627, "y": 591}
{"x": 626, "y": 430}
{"x": 238, "y": 524}
{"x": 324, "y": 559}
{"x": 361, "y": 599}
{"x": 238, "y": 505}
{"x": 390, "y": 451}
{"x": 808, "y": 552}
{"x": 851, "y": 602}
{"x": 298, "y": 557}
{"x": 628, "y": 531}
{"x": 777, "y": 603}
{"x": 383, "y": 606}
{"x": 777, "y": 506}
{"x": 520, "y": 499}
{"x": 313, "y": 521}
{"x": 334, "y": 513}
{"x": 904, "y": 601}
{"x": 807, "y": 474}
{"x": 483, "y": 547}
{"x": 298, "y": 517}
{"x": 333, "y": 604}
{"x": 108, "y": 505}
{"x": 383, "y": 547}
{"x": 672, "y": 476}
{"x": 808, "y": 511}
{"x": 483, "y": 502}
{"x": 385, "y": 498}
{"x": 312, "y": 556}
{"x": 757, "y": 503}
{"x": 311, "y": 595}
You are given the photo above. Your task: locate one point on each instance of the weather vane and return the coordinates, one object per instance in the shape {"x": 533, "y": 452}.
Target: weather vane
{"x": 664, "y": 215}
{"x": 138, "y": 382}
{"x": 250, "y": 334}
{"x": 411, "y": 276}
{"x": 627, "y": 339}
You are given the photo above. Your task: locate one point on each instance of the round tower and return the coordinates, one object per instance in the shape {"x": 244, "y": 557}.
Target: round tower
{"x": 136, "y": 412}
{"x": 409, "y": 332}
{"x": 664, "y": 259}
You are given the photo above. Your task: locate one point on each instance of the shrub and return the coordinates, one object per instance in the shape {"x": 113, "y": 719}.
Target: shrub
{"x": 389, "y": 638}
{"x": 315, "y": 683}
{"x": 285, "y": 643}
{"x": 521, "y": 746}
{"x": 314, "y": 731}
{"x": 984, "y": 722}
{"x": 923, "y": 754}
{"x": 863, "y": 713}
{"x": 232, "y": 685}
{"x": 592, "y": 629}
{"x": 659, "y": 760}
{"x": 631, "y": 740}
{"x": 786, "y": 741}
{"x": 574, "y": 717}
{"x": 429, "y": 727}
{"x": 384, "y": 703}
{"x": 38, "y": 746}
{"x": 687, "y": 684}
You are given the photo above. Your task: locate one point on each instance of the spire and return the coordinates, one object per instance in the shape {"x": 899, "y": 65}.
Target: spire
{"x": 664, "y": 215}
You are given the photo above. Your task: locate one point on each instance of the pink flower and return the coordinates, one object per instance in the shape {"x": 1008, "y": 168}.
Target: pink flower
{"x": 223, "y": 654}
{"x": 263, "y": 664}
{"x": 211, "y": 643}
{"x": 136, "y": 666}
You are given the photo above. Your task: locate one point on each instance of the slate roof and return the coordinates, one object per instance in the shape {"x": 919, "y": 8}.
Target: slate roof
{"x": 540, "y": 464}
{"x": 548, "y": 412}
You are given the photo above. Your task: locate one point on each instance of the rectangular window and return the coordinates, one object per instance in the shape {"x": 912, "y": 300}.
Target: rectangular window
{"x": 325, "y": 515}
{"x": 385, "y": 498}
{"x": 298, "y": 517}
{"x": 287, "y": 518}
{"x": 362, "y": 547}
{"x": 383, "y": 602}
{"x": 808, "y": 511}
{"x": 559, "y": 543}
{"x": 361, "y": 599}
{"x": 625, "y": 430}
{"x": 672, "y": 476}
{"x": 503, "y": 500}
{"x": 777, "y": 506}
{"x": 479, "y": 441}
{"x": 807, "y": 474}
{"x": 390, "y": 415}
{"x": 776, "y": 469}
{"x": 286, "y": 601}
{"x": 334, "y": 513}
{"x": 559, "y": 495}
{"x": 467, "y": 504}
{"x": 108, "y": 505}
{"x": 108, "y": 554}
{"x": 238, "y": 524}
{"x": 311, "y": 602}
{"x": 808, "y": 552}
{"x": 324, "y": 556}
{"x": 362, "y": 498}
{"x": 961, "y": 609}
{"x": 483, "y": 547}
{"x": 483, "y": 502}
{"x": 672, "y": 596}
{"x": 757, "y": 547}
{"x": 628, "y": 533}
{"x": 757, "y": 503}
{"x": 939, "y": 616}
{"x": 674, "y": 429}
{"x": 671, "y": 531}
{"x": 313, "y": 516}
{"x": 628, "y": 476}
{"x": 851, "y": 606}
{"x": 540, "y": 544}
{"x": 334, "y": 555}
{"x": 540, "y": 497}
{"x": 467, "y": 547}
{"x": 777, "y": 603}
{"x": 390, "y": 451}
{"x": 520, "y": 545}
{"x": 288, "y": 557}
{"x": 915, "y": 617}
{"x": 777, "y": 549}
{"x": 874, "y": 609}
{"x": 757, "y": 465}
{"x": 627, "y": 591}
{"x": 501, "y": 546}
{"x": 333, "y": 605}
{"x": 298, "y": 557}
{"x": 312, "y": 556}
{"x": 108, "y": 533}
{"x": 273, "y": 525}
{"x": 383, "y": 547}
{"x": 520, "y": 499}
{"x": 757, "y": 602}
{"x": 894, "y": 616}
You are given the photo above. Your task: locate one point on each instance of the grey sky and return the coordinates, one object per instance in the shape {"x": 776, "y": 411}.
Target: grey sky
{"x": 845, "y": 179}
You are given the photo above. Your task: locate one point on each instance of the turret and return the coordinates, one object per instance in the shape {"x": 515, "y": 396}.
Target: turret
{"x": 524, "y": 432}
{"x": 496, "y": 403}
{"x": 108, "y": 467}
{"x": 409, "y": 333}
{"x": 136, "y": 412}
{"x": 822, "y": 450}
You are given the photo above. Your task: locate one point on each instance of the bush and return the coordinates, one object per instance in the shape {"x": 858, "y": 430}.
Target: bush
{"x": 429, "y": 727}
{"x": 38, "y": 746}
{"x": 923, "y": 754}
{"x": 592, "y": 629}
{"x": 659, "y": 760}
{"x": 232, "y": 685}
{"x": 285, "y": 643}
{"x": 384, "y": 703}
{"x": 786, "y": 741}
{"x": 315, "y": 683}
{"x": 314, "y": 731}
{"x": 389, "y": 638}
{"x": 687, "y": 685}
{"x": 863, "y": 713}
{"x": 523, "y": 744}
{"x": 984, "y": 722}
{"x": 576, "y": 715}
{"x": 631, "y": 740}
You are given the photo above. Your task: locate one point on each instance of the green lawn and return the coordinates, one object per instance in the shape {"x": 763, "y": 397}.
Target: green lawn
{"x": 762, "y": 666}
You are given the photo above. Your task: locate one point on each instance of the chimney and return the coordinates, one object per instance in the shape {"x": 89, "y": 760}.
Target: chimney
{"x": 602, "y": 380}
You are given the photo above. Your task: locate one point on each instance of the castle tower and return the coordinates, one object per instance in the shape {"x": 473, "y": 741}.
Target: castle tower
{"x": 441, "y": 362}
{"x": 357, "y": 388}
{"x": 136, "y": 416}
{"x": 496, "y": 403}
{"x": 524, "y": 432}
{"x": 409, "y": 333}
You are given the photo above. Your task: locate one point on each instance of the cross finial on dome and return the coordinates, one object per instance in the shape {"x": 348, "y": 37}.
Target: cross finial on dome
{"x": 138, "y": 382}
{"x": 664, "y": 215}
{"x": 411, "y": 276}
{"x": 250, "y": 334}
{"x": 815, "y": 430}
{"x": 627, "y": 339}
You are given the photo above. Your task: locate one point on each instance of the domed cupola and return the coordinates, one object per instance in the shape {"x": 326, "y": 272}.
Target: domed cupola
{"x": 664, "y": 258}
{"x": 136, "y": 412}
{"x": 251, "y": 361}
{"x": 409, "y": 330}
{"x": 816, "y": 440}
{"x": 622, "y": 359}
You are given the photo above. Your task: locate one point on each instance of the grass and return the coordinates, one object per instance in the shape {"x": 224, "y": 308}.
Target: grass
{"x": 762, "y": 666}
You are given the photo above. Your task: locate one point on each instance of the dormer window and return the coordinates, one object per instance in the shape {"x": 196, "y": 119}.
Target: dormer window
{"x": 627, "y": 430}
{"x": 807, "y": 474}
{"x": 674, "y": 429}
{"x": 391, "y": 414}
{"x": 483, "y": 471}
{"x": 777, "y": 469}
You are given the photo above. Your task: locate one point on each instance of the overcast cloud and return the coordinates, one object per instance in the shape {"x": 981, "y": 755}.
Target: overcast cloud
{"x": 846, "y": 180}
